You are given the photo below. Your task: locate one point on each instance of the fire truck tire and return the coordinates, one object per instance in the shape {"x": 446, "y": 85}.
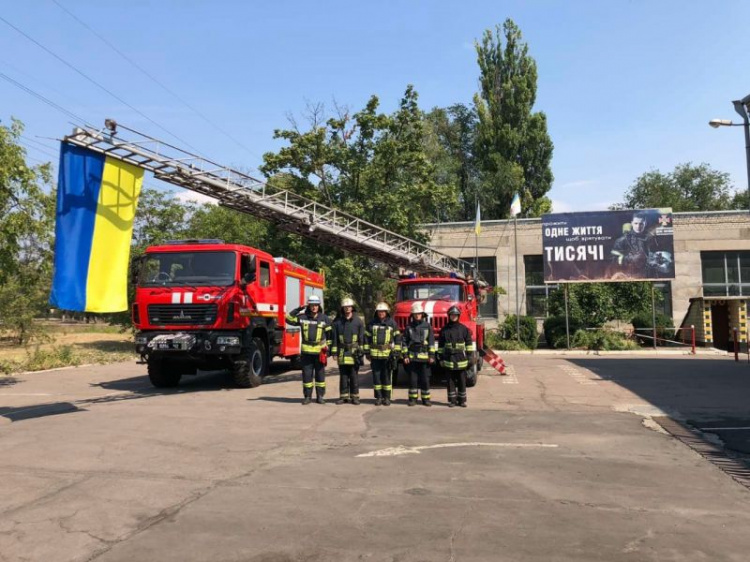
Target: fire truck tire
{"x": 162, "y": 374}
{"x": 473, "y": 374}
{"x": 247, "y": 372}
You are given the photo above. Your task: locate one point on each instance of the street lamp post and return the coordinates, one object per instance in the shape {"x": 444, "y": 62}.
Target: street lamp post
{"x": 741, "y": 107}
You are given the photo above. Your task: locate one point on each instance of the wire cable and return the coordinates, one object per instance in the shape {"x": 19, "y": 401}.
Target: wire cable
{"x": 40, "y": 97}
{"x": 95, "y": 83}
{"x": 156, "y": 80}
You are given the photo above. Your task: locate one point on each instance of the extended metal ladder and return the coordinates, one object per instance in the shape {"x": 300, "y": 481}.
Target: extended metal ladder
{"x": 246, "y": 194}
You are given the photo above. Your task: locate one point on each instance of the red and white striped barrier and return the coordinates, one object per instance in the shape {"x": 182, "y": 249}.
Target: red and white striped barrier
{"x": 494, "y": 359}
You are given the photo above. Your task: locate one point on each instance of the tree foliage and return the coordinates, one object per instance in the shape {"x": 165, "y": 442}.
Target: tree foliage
{"x": 513, "y": 148}
{"x": 688, "y": 187}
{"x": 591, "y": 305}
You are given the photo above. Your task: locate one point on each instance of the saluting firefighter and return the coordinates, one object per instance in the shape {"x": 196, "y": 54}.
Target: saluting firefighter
{"x": 316, "y": 335}
{"x": 347, "y": 349}
{"x": 382, "y": 340}
{"x": 455, "y": 346}
{"x": 419, "y": 349}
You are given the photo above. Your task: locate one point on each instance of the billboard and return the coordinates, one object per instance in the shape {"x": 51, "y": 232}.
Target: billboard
{"x": 608, "y": 246}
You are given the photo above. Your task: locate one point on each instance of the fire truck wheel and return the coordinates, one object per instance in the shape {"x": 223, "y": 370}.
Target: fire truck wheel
{"x": 162, "y": 374}
{"x": 473, "y": 374}
{"x": 247, "y": 372}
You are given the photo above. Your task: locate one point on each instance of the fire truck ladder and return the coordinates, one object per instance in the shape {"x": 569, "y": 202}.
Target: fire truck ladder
{"x": 239, "y": 191}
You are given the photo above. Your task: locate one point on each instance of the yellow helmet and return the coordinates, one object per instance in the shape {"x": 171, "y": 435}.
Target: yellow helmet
{"x": 382, "y": 306}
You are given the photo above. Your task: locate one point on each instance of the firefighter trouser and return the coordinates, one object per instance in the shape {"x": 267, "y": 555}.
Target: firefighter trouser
{"x": 349, "y": 381}
{"x": 457, "y": 381}
{"x": 419, "y": 379}
{"x": 381, "y": 378}
{"x": 312, "y": 368}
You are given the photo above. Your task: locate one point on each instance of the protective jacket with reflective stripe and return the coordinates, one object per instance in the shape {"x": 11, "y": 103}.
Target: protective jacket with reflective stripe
{"x": 382, "y": 337}
{"x": 419, "y": 341}
{"x": 455, "y": 346}
{"x": 348, "y": 339}
{"x": 316, "y": 330}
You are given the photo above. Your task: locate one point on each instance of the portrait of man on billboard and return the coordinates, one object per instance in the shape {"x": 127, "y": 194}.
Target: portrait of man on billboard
{"x": 637, "y": 251}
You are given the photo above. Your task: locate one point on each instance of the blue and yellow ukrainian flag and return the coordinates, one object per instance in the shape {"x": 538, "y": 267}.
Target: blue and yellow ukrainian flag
{"x": 96, "y": 200}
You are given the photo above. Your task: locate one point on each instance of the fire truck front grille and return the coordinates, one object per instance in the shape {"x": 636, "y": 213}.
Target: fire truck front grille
{"x": 437, "y": 323}
{"x": 182, "y": 313}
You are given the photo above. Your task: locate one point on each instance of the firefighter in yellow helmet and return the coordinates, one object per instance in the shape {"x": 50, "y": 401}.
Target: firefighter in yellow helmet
{"x": 316, "y": 333}
{"x": 347, "y": 349}
{"x": 382, "y": 345}
{"x": 419, "y": 354}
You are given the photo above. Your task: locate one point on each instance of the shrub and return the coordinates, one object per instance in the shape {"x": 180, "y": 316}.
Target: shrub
{"x": 642, "y": 324}
{"x": 605, "y": 340}
{"x": 528, "y": 334}
{"x": 554, "y": 331}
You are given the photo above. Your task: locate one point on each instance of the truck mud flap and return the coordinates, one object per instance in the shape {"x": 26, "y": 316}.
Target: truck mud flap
{"x": 493, "y": 359}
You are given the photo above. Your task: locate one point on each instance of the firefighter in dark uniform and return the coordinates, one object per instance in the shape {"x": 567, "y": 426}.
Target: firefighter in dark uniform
{"x": 455, "y": 347}
{"x": 382, "y": 340}
{"x": 419, "y": 354}
{"x": 316, "y": 334}
{"x": 347, "y": 349}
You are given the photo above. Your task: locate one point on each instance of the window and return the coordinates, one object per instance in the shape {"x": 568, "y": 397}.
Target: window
{"x": 725, "y": 274}
{"x": 664, "y": 305}
{"x": 174, "y": 269}
{"x": 265, "y": 274}
{"x": 537, "y": 292}
{"x": 431, "y": 291}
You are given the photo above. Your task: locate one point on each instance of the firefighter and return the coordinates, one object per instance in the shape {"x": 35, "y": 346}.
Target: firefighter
{"x": 382, "y": 345}
{"x": 419, "y": 350}
{"x": 316, "y": 336}
{"x": 347, "y": 350}
{"x": 454, "y": 346}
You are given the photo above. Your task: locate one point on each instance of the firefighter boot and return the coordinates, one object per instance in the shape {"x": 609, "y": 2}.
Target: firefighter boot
{"x": 355, "y": 399}
{"x": 320, "y": 400}
{"x": 306, "y": 400}
{"x": 378, "y": 401}
{"x": 342, "y": 400}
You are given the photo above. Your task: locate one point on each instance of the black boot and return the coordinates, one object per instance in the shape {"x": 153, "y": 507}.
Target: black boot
{"x": 306, "y": 400}
{"x": 463, "y": 405}
{"x": 378, "y": 401}
{"x": 355, "y": 400}
{"x": 451, "y": 404}
{"x": 320, "y": 400}
{"x": 342, "y": 401}
{"x": 412, "y": 402}
{"x": 386, "y": 401}
{"x": 427, "y": 402}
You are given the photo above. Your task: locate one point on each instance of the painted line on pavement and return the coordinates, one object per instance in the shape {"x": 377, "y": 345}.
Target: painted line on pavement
{"x": 401, "y": 450}
{"x": 510, "y": 375}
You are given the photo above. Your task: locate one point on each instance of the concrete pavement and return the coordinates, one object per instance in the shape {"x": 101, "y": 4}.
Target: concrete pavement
{"x": 557, "y": 461}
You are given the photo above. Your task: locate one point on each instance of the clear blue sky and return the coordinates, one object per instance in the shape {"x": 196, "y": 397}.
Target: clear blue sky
{"x": 627, "y": 86}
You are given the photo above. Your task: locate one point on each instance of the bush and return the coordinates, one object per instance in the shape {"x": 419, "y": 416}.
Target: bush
{"x": 643, "y": 323}
{"x": 605, "y": 340}
{"x": 528, "y": 336}
{"x": 554, "y": 331}
{"x": 494, "y": 340}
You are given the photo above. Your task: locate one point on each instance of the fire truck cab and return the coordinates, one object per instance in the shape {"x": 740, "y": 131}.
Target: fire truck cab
{"x": 204, "y": 304}
{"x": 437, "y": 294}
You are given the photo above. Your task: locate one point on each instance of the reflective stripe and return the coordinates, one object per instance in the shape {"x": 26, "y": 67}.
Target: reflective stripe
{"x": 320, "y": 384}
{"x": 388, "y": 387}
{"x": 378, "y": 386}
{"x": 307, "y": 384}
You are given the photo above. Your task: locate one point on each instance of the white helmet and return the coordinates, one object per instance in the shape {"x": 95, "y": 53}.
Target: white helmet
{"x": 313, "y": 299}
{"x": 347, "y": 302}
{"x": 416, "y": 308}
{"x": 382, "y": 306}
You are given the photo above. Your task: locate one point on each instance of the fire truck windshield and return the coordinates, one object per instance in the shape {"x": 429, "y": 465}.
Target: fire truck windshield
{"x": 430, "y": 291}
{"x": 173, "y": 269}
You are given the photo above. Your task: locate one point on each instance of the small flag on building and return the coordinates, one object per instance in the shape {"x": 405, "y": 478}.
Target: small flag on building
{"x": 515, "y": 206}
{"x": 96, "y": 200}
{"x": 478, "y": 222}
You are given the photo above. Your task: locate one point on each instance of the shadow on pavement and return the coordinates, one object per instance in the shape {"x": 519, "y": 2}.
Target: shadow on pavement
{"x": 39, "y": 411}
{"x": 711, "y": 394}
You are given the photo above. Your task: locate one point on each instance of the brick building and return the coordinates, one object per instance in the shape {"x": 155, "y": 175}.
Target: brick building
{"x": 711, "y": 289}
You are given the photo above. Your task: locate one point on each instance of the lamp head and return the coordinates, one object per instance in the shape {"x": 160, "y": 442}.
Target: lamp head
{"x": 716, "y": 123}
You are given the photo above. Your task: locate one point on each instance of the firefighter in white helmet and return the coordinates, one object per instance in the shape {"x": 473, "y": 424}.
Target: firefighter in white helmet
{"x": 382, "y": 345}
{"x": 316, "y": 335}
{"x": 419, "y": 354}
{"x": 347, "y": 349}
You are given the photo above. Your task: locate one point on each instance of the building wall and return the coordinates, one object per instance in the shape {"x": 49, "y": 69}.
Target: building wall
{"x": 693, "y": 233}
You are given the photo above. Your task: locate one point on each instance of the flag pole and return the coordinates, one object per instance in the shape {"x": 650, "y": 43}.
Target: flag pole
{"x": 518, "y": 307}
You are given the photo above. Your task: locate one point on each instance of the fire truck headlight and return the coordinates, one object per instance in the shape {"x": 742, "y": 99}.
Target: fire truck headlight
{"x": 141, "y": 340}
{"x": 227, "y": 340}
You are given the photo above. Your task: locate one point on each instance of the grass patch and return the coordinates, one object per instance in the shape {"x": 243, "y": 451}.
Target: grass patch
{"x": 40, "y": 358}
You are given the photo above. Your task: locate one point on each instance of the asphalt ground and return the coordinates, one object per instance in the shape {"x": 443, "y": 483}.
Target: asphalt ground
{"x": 559, "y": 460}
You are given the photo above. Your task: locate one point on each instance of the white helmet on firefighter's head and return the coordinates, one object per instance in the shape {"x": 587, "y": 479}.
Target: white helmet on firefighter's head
{"x": 416, "y": 308}
{"x": 313, "y": 299}
{"x": 347, "y": 302}
{"x": 382, "y": 307}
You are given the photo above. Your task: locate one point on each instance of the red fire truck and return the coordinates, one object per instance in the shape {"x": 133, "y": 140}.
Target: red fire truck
{"x": 204, "y": 304}
{"x": 437, "y": 294}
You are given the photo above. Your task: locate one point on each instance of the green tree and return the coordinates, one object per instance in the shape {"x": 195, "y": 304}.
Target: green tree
{"x": 687, "y": 188}
{"x": 27, "y": 212}
{"x": 591, "y": 305}
{"x": 451, "y": 139}
{"x": 370, "y": 164}
{"x": 160, "y": 217}
{"x": 513, "y": 148}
